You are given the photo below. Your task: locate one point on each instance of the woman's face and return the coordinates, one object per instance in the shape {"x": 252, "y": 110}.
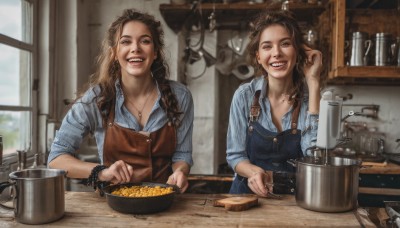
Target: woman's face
{"x": 276, "y": 52}
{"x": 135, "y": 50}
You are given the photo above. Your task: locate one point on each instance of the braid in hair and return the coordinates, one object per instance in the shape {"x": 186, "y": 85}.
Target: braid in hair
{"x": 168, "y": 100}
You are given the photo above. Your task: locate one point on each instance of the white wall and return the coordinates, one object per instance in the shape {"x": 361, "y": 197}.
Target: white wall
{"x": 387, "y": 97}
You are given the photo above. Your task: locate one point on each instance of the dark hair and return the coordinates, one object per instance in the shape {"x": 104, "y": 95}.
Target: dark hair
{"x": 108, "y": 70}
{"x": 285, "y": 19}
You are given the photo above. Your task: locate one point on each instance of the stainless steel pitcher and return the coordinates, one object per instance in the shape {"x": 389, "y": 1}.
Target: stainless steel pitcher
{"x": 382, "y": 42}
{"x": 360, "y": 47}
{"x": 38, "y": 196}
{"x": 395, "y": 49}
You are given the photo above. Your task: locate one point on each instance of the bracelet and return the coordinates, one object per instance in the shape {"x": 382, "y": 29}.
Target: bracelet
{"x": 93, "y": 177}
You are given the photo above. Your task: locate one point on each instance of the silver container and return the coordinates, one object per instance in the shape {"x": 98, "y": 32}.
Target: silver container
{"x": 38, "y": 195}
{"x": 360, "y": 47}
{"x": 382, "y": 42}
{"x": 327, "y": 185}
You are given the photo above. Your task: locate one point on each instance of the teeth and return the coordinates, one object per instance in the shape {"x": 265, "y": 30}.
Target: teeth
{"x": 135, "y": 60}
{"x": 277, "y": 64}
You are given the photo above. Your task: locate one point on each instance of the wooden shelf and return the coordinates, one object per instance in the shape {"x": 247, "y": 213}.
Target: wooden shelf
{"x": 341, "y": 22}
{"x": 230, "y": 15}
{"x": 366, "y": 71}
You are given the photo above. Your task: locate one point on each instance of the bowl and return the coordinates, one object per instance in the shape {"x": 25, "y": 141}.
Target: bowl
{"x": 139, "y": 205}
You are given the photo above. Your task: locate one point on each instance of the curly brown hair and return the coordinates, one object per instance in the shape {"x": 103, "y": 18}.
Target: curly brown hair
{"x": 287, "y": 20}
{"x": 108, "y": 70}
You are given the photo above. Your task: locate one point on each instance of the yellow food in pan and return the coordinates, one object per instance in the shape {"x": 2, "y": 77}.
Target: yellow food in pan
{"x": 142, "y": 191}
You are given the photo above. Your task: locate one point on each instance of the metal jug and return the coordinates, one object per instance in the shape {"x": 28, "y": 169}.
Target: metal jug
{"x": 382, "y": 49}
{"x": 38, "y": 195}
{"x": 360, "y": 47}
{"x": 395, "y": 52}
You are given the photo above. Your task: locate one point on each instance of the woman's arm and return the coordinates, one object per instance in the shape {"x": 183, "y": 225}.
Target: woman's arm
{"x": 312, "y": 72}
{"x": 75, "y": 168}
{"x": 182, "y": 158}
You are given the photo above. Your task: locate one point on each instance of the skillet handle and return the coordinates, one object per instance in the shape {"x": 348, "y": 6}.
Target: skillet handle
{"x": 292, "y": 162}
{"x": 3, "y": 186}
{"x": 100, "y": 186}
{"x": 176, "y": 189}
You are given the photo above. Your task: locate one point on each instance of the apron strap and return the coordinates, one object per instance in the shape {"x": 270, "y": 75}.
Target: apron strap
{"x": 255, "y": 111}
{"x": 111, "y": 116}
{"x": 255, "y": 107}
{"x": 295, "y": 116}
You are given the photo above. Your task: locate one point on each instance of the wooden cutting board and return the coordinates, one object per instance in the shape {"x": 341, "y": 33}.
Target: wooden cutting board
{"x": 237, "y": 203}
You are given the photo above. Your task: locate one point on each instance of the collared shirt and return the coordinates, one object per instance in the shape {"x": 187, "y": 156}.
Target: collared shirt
{"x": 84, "y": 117}
{"x": 239, "y": 116}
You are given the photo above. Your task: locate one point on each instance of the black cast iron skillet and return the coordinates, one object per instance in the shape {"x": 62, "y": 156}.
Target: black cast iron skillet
{"x": 139, "y": 205}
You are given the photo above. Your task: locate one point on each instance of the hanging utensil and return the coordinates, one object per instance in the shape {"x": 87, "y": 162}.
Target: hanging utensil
{"x": 212, "y": 19}
{"x": 239, "y": 42}
{"x": 197, "y": 58}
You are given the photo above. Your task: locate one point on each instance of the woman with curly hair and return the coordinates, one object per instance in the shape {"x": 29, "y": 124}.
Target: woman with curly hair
{"x": 142, "y": 121}
{"x": 274, "y": 117}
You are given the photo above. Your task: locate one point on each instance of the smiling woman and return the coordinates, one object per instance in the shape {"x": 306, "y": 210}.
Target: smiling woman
{"x": 17, "y": 99}
{"x": 142, "y": 121}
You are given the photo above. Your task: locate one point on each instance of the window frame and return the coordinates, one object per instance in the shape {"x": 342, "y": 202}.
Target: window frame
{"x": 33, "y": 108}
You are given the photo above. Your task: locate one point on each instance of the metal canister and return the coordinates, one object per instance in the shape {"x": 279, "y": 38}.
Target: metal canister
{"x": 382, "y": 49}
{"x": 396, "y": 52}
{"x": 360, "y": 47}
{"x": 1, "y": 150}
{"x": 39, "y": 195}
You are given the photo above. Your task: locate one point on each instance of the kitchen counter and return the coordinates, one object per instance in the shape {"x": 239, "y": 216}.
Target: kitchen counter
{"x": 381, "y": 168}
{"x": 88, "y": 209}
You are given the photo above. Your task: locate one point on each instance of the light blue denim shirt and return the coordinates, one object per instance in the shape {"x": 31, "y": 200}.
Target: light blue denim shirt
{"x": 239, "y": 114}
{"x": 84, "y": 118}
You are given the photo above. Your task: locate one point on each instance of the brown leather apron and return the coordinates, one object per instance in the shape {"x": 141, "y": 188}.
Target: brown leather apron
{"x": 150, "y": 156}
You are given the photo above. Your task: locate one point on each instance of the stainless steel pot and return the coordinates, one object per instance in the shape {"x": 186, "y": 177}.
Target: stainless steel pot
{"x": 327, "y": 184}
{"x": 38, "y": 195}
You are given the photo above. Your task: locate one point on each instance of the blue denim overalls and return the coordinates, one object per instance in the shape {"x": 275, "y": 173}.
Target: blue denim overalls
{"x": 269, "y": 150}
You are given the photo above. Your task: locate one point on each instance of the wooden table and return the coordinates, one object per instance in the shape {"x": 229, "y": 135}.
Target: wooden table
{"x": 88, "y": 209}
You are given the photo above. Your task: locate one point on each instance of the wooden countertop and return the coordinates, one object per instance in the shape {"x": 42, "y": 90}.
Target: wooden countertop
{"x": 88, "y": 209}
{"x": 380, "y": 168}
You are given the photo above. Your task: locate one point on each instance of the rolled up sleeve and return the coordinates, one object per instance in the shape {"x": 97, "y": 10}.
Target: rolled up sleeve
{"x": 236, "y": 136}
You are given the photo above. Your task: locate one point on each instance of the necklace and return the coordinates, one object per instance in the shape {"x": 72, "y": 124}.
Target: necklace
{"x": 144, "y": 104}
{"x": 285, "y": 97}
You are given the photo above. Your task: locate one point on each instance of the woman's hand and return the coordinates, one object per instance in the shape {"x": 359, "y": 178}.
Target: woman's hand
{"x": 119, "y": 172}
{"x": 313, "y": 65}
{"x": 260, "y": 183}
{"x": 179, "y": 179}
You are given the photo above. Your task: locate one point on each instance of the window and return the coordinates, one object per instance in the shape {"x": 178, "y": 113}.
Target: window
{"x": 17, "y": 57}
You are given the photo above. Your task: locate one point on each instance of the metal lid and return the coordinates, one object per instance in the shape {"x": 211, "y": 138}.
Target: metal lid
{"x": 383, "y": 35}
{"x": 330, "y": 161}
{"x": 37, "y": 174}
{"x": 356, "y": 35}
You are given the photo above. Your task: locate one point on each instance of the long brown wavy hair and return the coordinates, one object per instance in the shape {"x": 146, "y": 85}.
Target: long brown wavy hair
{"x": 109, "y": 71}
{"x": 285, "y": 19}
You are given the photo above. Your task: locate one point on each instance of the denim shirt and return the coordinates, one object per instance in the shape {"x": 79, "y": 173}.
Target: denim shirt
{"x": 239, "y": 114}
{"x": 84, "y": 118}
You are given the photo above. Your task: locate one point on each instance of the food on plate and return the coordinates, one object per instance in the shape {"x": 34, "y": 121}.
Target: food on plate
{"x": 142, "y": 191}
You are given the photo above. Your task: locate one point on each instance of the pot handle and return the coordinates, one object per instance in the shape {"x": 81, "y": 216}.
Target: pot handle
{"x": 292, "y": 162}
{"x": 3, "y": 186}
